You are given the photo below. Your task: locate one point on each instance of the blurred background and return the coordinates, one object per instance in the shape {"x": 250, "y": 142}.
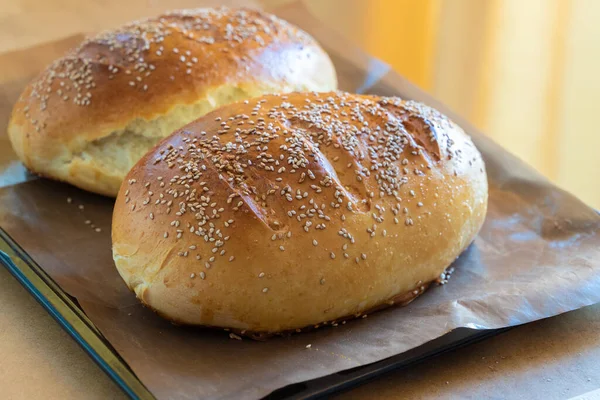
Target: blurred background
{"x": 527, "y": 73}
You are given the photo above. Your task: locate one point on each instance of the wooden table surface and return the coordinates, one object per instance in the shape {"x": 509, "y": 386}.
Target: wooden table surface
{"x": 557, "y": 358}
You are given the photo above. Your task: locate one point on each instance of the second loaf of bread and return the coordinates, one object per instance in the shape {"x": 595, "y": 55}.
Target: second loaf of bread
{"x": 287, "y": 211}
{"x": 92, "y": 114}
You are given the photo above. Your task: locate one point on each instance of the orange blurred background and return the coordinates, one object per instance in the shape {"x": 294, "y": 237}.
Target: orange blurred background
{"x": 527, "y": 73}
{"x": 524, "y": 72}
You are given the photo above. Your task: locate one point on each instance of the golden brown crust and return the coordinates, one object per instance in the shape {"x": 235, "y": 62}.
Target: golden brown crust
{"x": 287, "y": 211}
{"x": 399, "y": 300}
{"x": 143, "y": 70}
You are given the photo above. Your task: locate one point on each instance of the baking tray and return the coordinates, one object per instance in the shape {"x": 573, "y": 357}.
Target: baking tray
{"x": 552, "y": 238}
{"x": 69, "y": 315}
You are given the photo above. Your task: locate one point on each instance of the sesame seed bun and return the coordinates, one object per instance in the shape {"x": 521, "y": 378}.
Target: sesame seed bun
{"x": 91, "y": 115}
{"x": 288, "y": 211}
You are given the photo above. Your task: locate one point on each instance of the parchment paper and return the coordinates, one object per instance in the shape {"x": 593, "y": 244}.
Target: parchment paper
{"x": 538, "y": 255}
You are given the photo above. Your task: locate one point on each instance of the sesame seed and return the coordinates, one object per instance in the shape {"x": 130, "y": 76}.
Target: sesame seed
{"x": 265, "y": 290}
{"x": 264, "y": 137}
{"x": 202, "y": 275}
{"x": 261, "y": 275}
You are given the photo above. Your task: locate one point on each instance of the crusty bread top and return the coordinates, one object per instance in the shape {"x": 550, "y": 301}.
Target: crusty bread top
{"x": 146, "y": 67}
{"x": 284, "y": 211}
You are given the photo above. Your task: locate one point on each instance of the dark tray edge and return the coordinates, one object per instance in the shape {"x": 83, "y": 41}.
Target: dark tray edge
{"x": 68, "y": 315}
{"x": 73, "y": 320}
{"x": 319, "y": 388}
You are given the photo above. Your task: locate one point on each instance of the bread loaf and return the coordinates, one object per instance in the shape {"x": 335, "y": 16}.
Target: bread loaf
{"x": 289, "y": 211}
{"x": 92, "y": 114}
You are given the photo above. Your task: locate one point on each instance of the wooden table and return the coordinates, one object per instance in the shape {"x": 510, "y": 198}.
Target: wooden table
{"x": 557, "y": 358}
